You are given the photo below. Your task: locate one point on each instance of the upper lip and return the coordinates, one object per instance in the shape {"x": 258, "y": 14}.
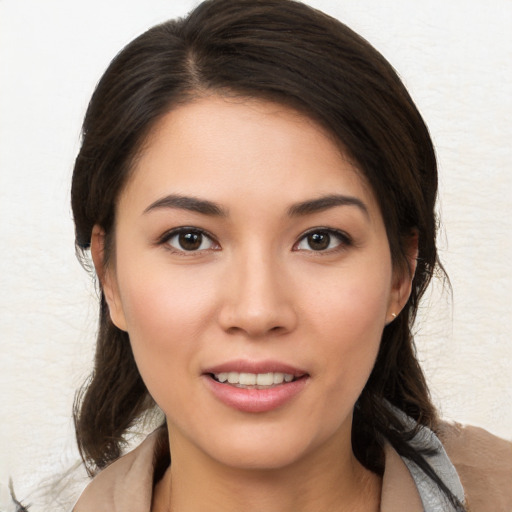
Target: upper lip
{"x": 246, "y": 366}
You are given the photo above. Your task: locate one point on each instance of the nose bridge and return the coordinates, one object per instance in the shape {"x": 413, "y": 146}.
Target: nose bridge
{"x": 257, "y": 296}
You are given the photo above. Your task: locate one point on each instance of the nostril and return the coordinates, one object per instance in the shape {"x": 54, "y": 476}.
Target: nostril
{"x": 257, "y": 318}
{"x": 257, "y": 332}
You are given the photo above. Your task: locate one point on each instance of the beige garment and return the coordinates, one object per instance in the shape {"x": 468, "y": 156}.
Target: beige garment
{"x": 484, "y": 465}
{"x": 483, "y": 462}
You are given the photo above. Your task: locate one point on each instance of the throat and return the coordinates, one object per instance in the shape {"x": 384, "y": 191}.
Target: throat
{"x": 266, "y": 492}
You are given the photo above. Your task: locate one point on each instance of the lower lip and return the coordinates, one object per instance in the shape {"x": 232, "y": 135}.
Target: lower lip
{"x": 255, "y": 400}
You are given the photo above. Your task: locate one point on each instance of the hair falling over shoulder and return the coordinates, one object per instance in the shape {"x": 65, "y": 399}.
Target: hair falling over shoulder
{"x": 289, "y": 53}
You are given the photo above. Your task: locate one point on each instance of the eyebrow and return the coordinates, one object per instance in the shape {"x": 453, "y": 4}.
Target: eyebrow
{"x": 192, "y": 204}
{"x": 211, "y": 208}
{"x": 325, "y": 203}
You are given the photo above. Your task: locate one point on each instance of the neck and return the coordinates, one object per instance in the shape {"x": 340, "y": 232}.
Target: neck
{"x": 319, "y": 481}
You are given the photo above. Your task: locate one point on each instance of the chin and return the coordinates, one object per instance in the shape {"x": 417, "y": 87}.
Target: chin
{"x": 270, "y": 448}
{"x": 271, "y": 456}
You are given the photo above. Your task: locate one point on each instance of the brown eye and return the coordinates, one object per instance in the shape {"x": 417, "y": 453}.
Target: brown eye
{"x": 319, "y": 241}
{"x": 188, "y": 240}
{"x": 323, "y": 240}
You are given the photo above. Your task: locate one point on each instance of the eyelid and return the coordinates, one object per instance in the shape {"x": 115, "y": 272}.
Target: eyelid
{"x": 171, "y": 233}
{"x": 345, "y": 239}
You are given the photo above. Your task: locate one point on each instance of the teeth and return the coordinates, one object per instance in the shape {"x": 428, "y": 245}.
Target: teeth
{"x": 278, "y": 378}
{"x": 265, "y": 379}
{"x": 247, "y": 379}
{"x": 254, "y": 379}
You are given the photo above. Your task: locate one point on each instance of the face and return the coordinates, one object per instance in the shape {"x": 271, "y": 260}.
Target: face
{"x": 253, "y": 274}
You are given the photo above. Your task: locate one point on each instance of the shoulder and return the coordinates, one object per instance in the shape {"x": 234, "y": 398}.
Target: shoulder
{"x": 124, "y": 486}
{"x": 484, "y": 464}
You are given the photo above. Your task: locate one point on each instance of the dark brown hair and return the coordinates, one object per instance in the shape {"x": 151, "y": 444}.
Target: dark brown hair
{"x": 287, "y": 52}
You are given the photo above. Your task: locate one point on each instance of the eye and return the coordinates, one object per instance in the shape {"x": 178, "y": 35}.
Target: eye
{"x": 188, "y": 240}
{"x": 322, "y": 240}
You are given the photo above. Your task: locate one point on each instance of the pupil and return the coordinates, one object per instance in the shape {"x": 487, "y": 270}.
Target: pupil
{"x": 319, "y": 241}
{"x": 190, "y": 241}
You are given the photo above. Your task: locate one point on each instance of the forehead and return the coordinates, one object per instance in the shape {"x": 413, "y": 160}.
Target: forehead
{"x": 225, "y": 148}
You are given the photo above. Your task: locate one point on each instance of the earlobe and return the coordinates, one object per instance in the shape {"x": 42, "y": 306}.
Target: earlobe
{"x": 107, "y": 278}
{"x": 403, "y": 278}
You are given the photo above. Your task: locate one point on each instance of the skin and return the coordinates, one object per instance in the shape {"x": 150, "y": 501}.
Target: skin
{"x": 254, "y": 290}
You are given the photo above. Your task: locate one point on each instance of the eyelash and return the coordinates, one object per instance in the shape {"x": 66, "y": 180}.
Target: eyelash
{"x": 186, "y": 230}
{"x": 344, "y": 240}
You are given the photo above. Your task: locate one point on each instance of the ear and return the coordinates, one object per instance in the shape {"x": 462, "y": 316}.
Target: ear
{"x": 402, "y": 279}
{"x": 108, "y": 280}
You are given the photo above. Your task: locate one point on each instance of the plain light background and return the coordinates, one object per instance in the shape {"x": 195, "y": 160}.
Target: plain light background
{"x": 455, "y": 58}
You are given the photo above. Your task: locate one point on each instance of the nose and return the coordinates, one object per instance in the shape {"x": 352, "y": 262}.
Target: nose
{"x": 257, "y": 299}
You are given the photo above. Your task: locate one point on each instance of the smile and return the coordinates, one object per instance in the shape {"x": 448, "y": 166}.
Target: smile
{"x": 255, "y": 387}
{"x": 253, "y": 380}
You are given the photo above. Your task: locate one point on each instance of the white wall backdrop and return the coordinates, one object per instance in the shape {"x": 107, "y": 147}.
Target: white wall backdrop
{"x": 455, "y": 57}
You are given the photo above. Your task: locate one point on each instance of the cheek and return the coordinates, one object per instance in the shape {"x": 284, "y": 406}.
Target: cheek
{"x": 349, "y": 316}
{"x": 353, "y": 304}
{"x": 164, "y": 314}
{"x": 159, "y": 304}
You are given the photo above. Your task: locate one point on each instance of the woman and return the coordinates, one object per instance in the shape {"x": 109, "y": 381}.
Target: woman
{"x": 257, "y": 190}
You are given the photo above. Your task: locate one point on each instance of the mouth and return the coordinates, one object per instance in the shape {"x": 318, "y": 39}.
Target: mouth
{"x": 255, "y": 386}
{"x": 246, "y": 380}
